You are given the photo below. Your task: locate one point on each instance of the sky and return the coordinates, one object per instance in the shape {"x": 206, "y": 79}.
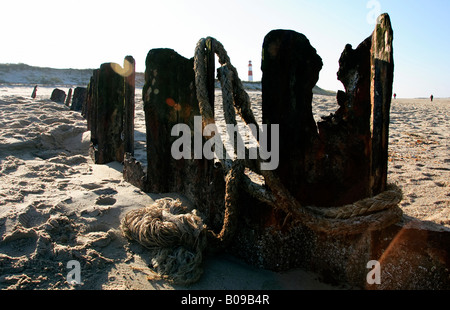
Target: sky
{"x": 86, "y": 33}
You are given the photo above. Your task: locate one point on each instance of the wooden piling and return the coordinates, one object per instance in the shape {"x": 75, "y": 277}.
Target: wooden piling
{"x": 382, "y": 77}
{"x": 343, "y": 158}
{"x": 110, "y": 111}
{"x": 58, "y": 95}
{"x": 170, "y": 99}
{"x": 129, "y": 107}
{"x": 69, "y": 98}
{"x": 78, "y": 99}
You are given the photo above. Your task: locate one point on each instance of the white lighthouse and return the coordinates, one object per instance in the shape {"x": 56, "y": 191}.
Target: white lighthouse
{"x": 250, "y": 71}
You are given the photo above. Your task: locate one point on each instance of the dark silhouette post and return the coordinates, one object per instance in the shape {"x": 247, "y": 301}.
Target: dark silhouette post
{"x": 69, "y": 98}
{"x": 109, "y": 111}
{"x": 33, "y": 94}
{"x": 130, "y": 81}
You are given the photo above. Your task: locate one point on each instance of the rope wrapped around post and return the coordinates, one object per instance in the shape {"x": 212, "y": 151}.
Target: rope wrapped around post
{"x": 319, "y": 219}
{"x": 178, "y": 237}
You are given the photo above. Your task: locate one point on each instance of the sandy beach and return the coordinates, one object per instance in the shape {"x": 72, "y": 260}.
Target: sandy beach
{"x": 56, "y": 205}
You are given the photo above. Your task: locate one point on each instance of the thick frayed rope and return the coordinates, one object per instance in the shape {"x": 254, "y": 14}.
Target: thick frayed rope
{"x": 175, "y": 237}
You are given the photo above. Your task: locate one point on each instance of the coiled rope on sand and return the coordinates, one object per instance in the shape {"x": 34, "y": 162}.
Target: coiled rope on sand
{"x": 174, "y": 235}
{"x": 177, "y": 237}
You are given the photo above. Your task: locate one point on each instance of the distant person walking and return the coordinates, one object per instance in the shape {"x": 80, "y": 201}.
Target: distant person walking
{"x": 395, "y": 96}
{"x": 431, "y": 98}
{"x": 33, "y": 95}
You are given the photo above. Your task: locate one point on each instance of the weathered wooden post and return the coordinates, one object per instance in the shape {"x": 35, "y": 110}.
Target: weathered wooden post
{"x": 343, "y": 158}
{"x": 88, "y": 102}
{"x": 89, "y": 110}
{"x": 168, "y": 101}
{"x": 382, "y": 77}
{"x": 290, "y": 67}
{"x": 357, "y": 134}
{"x": 110, "y": 111}
{"x": 78, "y": 99}
{"x": 69, "y": 98}
{"x": 58, "y": 95}
{"x": 169, "y": 96}
{"x": 129, "y": 107}
{"x": 110, "y": 94}
{"x": 33, "y": 94}
{"x": 344, "y": 145}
